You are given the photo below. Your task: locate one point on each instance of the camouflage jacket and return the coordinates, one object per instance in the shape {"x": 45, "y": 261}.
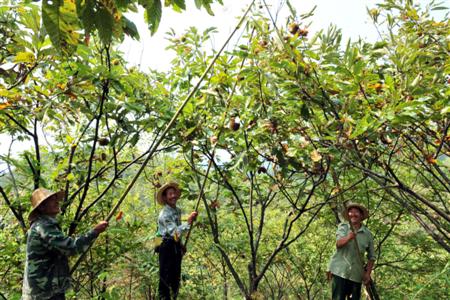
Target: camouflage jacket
{"x": 46, "y": 266}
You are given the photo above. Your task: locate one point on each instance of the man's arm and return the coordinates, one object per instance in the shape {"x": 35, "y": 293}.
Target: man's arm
{"x": 344, "y": 235}
{"x": 344, "y": 241}
{"x": 370, "y": 261}
{"x": 369, "y": 267}
{"x": 68, "y": 245}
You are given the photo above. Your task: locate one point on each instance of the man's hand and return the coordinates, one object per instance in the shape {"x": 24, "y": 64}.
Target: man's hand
{"x": 366, "y": 278}
{"x": 343, "y": 241}
{"x": 100, "y": 227}
{"x": 192, "y": 217}
{"x": 329, "y": 276}
{"x": 351, "y": 236}
{"x": 366, "y": 275}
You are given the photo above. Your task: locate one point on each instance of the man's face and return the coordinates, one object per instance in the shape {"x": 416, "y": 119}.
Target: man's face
{"x": 171, "y": 197}
{"x": 50, "y": 207}
{"x": 354, "y": 215}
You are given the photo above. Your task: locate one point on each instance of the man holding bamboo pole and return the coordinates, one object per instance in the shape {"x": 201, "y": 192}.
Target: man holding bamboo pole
{"x": 47, "y": 274}
{"x": 346, "y": 267}
{"x": 171, "y": 250}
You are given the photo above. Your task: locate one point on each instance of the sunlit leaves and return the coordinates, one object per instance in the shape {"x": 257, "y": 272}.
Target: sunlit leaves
{"x": 62, "y": 24}
{"x": 315, "y": 156}
{"x": 65, "y": 20}
{"x": 24, "y": 57}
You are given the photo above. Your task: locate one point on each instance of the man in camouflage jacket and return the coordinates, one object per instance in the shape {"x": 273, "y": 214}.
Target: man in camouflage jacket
{"x": 47, "y": 273}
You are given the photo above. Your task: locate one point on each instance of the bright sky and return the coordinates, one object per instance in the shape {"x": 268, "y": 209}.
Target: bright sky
{"x": 349, "y": 15}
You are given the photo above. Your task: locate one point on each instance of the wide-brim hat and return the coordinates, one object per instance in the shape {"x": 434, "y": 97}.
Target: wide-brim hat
{"x": 41, "y": 195}
{"x": 362, "y": 208}
{"x": 159, "y": 195}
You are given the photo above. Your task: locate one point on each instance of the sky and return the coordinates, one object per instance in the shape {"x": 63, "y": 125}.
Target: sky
{"x": 349, "y": 15}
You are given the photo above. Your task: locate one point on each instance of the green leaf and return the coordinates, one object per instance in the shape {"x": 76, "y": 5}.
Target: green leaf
{"x": 24, "y": 57}
{"x": 129, "y": 28}
{"x": 188, "y": 109}
{"x": 439, "y": 8}
{"x": 198, "y": 3}
{"x": 207, "y": 7}
{"x": 445, "y": 110}
{"x": 304, "y": 112}
{"x": 70, "y": 177}
{"x": 361, "y": 126}
{"x": 379, "y": 45}
{"x": 134, "y": 139}
{"x": 190, "y": 131}
{"x": 358, "y": 67}
{"x": 31, "y": 19}
{"x": 153, "y": 13}
{"x": 105, "y": 23}
{"x": 126, "y": 4}
{"x": 180, "y": 3}
{"x": 62, "y": 24}
{"x": 69, "y": 139}
{"x": 311, "y": 54}
{"x": 416, "y": 80}
{"x": 135, "y": 107}
{"x": 86, "y": 13}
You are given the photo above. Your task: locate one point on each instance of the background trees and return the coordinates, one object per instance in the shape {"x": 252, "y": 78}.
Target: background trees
{"x": 292, "y": 125}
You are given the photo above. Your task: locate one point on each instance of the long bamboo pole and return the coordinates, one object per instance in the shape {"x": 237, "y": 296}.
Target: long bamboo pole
{"x": 213, "y": 153}
{"x": 154, "y": 147}
{"x": 200, "y": 195}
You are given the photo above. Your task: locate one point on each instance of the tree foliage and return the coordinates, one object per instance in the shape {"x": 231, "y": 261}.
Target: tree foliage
{"x": 291, "y": 125}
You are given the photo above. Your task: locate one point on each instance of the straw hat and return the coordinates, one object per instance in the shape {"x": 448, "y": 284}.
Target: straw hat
{"x": 159, "y": 195}
{"x": 362, "y": 208}
{"x": 39, "y": 196}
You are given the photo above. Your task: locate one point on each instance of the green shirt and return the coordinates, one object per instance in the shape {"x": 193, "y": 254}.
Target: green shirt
{"x": 345, "y": 262}
{"x": 46, "y": 265}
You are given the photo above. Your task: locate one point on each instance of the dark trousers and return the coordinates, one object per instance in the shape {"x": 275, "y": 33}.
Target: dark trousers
{"x": 170, "y": 255}
{"x": 344, "y": 289}
{"x": 58, "y": 297}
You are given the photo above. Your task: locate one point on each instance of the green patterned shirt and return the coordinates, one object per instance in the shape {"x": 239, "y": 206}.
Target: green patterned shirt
{"x": 46, "y": 266}
{"x": 345, "y": 262}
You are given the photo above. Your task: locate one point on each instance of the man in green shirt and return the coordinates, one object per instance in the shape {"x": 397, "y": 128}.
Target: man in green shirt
{"x": 353, "y": 240}
{"x": 47, "y": 275}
